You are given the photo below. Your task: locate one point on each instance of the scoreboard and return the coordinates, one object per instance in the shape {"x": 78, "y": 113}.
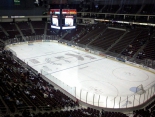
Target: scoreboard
{"x": 69, "y": 18}
{"x": 55, "y": 18}
{"x": 63, "y": 19}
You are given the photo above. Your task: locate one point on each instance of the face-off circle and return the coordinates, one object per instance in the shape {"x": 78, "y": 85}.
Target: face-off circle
{"x": 129, "y": 74}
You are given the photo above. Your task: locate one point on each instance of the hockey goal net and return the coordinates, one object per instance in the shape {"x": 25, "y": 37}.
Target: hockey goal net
{"x": 140, "y": 89}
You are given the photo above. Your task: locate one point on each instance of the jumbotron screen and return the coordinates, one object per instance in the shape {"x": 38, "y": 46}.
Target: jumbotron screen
{"x": 55, "y": 18}
{"x": 69, "y": 18}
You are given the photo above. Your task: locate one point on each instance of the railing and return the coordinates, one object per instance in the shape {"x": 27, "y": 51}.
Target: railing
{"x": 90, "y": 97}
{"x": 105, "y": 101}
{"x": 61, "y": 84}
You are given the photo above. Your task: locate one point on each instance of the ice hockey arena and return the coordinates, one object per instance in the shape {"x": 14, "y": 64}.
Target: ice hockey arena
{"x": 77, "y": 58}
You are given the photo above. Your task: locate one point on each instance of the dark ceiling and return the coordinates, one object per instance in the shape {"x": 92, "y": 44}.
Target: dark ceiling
{"x": 103, "y": 1}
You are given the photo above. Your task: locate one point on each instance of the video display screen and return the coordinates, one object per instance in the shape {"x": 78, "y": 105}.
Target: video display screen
{"x": 55, "y": 18}
{"x": 55, "y": 22}
{"x": 64, "y": 20}
{"x": 69, "y": 18}
{"x": 68, "y": 22}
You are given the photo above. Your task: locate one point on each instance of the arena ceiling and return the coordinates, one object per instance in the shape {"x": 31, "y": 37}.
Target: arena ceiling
{"x": 104, "y": 1}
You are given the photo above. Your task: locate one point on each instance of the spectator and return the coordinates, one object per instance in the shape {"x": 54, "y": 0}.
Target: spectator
{"x": 33, "y": 96}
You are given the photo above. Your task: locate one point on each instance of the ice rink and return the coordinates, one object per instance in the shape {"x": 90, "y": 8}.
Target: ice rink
{"x": 107, "y": 79}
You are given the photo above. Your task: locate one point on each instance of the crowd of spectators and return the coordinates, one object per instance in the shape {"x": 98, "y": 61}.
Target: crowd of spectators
{"x": 87, "y": 30}
{"x": 23, "y": 93}
{"x": 26, "y": 94}
{"x": 148, "y": 111}
{"x": 21, "y": 88}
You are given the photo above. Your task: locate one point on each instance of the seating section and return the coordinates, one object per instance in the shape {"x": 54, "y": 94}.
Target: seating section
{"x": 25, "y": 28}
{"x": 77, "y": 34}
{"x": 141, "y": 19}
{"x": 56, "y": 32}
{"x": 3, "y": 109}
{"x": 149, "y": 50}
{"x": 49, "y": 29}
{"x": 10, "y": 28}
{"x": 13, "y": 34}
{"x": 2, "y": 46}
{"x": 39, "y": 27}
{"x": 38, "y": 24}
{"x": 148, "y": 9}
{"x": 129, "y": 9}
{"x": 126, "y": 40}
{"x": 148, "y": 111}
{"x": 74, "y": 33}
{"x": 151, "y": 19}
{"x": 39, "y": 31}
{"x": 110, "y": 8}
{"x": 84, "y": 112}
{"x": 137, "y": 43}
{"x": 71, "y": 34}
{"x": 84, "y": 34}
{"x": 106, "y": 39}
{"x": 2, "y": 35}
{"x": 89, "y": 112}
{"x": 92, "y": 34}
{"x": 22, "y": 90}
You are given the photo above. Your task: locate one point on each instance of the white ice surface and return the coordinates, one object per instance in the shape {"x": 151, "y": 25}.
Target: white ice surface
{"x": 86, "y": 71}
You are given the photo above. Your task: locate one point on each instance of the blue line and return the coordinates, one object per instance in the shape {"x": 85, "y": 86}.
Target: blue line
{"x": 77, "y": 65}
